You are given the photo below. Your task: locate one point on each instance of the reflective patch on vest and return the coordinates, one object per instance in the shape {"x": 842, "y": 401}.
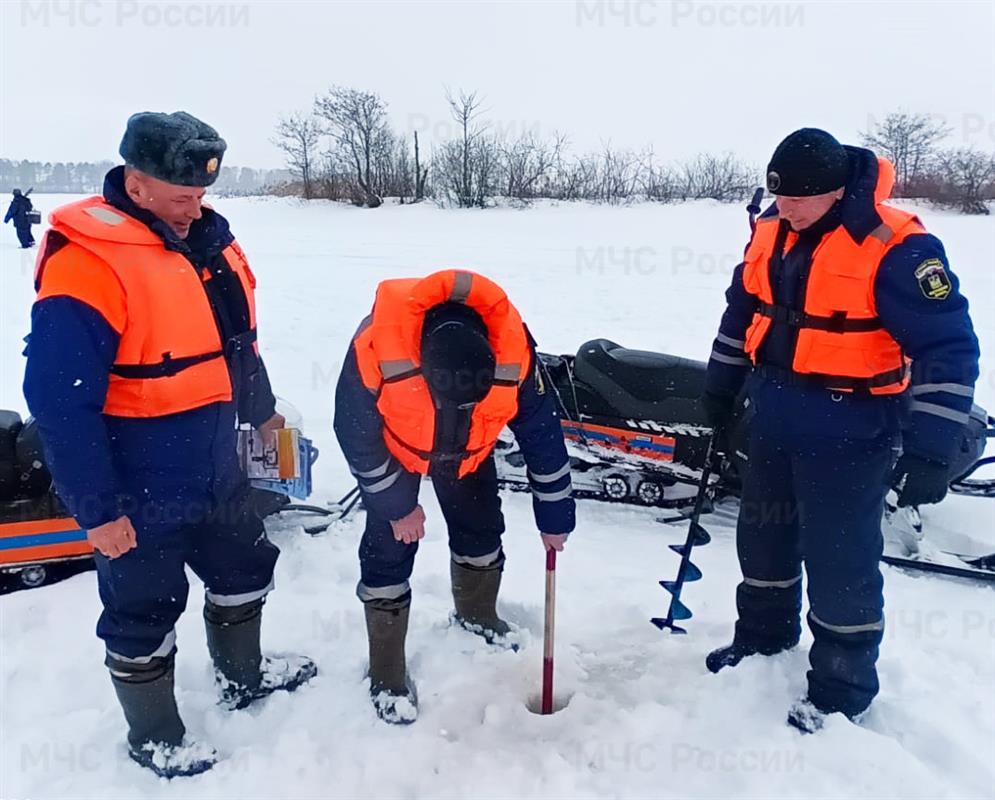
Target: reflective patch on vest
{"x": 104, "y": 215}
{"x": 461, "y": 287}
{"x": 507, "y": 372}
{"x": 933, "y": 279}
{"x": 883, "y": 233}
{"x": 397, "y": 367}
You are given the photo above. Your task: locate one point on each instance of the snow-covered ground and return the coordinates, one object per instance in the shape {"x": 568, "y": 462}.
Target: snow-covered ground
{"x": 644, "y": 717}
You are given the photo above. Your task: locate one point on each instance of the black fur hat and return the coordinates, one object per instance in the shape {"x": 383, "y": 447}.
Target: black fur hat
{"x": 177, "y": 148}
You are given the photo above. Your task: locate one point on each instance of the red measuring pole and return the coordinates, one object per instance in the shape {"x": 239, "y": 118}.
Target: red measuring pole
{"x": 547, "y": 639}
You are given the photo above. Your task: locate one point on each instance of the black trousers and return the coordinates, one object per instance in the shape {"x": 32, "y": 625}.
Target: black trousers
{"x": 472, "y": 509}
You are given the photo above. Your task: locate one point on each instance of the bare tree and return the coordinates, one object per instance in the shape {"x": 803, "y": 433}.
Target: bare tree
{"x": 357, "y": 122}
{"x": 656, "y": 182}
{"x": 465, "y": 110}
{"x": 964, "y": 179}
{"x": 908, "y": 140}
{"x": 724, "y": 178}
{"x": 527, "y": 165}
{"x": 298, "y": 137}
{"x": 465, "y": 169}
{"x": 618, "y": 173}
{"x": 420, "y": 174}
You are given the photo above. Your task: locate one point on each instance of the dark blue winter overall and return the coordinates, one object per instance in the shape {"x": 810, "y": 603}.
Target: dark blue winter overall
{"x": 176, "y": 477}
{"x": 471, "y": 505}
{"x": 819, "y": 461}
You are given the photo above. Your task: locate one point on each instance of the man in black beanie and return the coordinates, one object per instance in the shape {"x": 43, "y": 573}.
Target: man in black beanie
{"x": 142, "y": 360}
{"x": 431, "y": 378}
{"x": 849, "y": 331}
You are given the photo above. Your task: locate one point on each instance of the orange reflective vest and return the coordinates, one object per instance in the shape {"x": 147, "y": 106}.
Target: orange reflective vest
{"x": 388, "y": 354}
{"x": 841, "y": 342}
{"x": 170, "y": 357}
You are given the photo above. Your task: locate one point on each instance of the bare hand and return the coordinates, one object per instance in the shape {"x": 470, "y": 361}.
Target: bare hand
{"x": 411, "y": 528}
{"x": 554, "y": 541}
{"x": 113, "y": 539}
{"x": 269, "y": 428}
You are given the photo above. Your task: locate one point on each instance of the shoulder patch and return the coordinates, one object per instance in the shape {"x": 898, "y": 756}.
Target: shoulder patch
{"x": 933, "y": 279}
{"x": 540, "y": 385}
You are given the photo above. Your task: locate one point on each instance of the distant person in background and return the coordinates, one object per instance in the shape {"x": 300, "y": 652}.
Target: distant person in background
{"x": 19, "y": 213}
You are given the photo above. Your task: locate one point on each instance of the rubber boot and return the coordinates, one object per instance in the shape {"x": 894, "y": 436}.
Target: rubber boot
{"x": 391, "y": 689}
{"x": 475, "y": 591}
{"x": 806, "y": 717}
{"x": 243, "y": 674}
{"x": 156, "y": 735}
{"x": 732, "y": 654}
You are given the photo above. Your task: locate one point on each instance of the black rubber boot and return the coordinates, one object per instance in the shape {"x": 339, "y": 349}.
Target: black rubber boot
{"x": 243, "y": 674}
{"x": 156, "y": 735}
{"x": 391, "y": 689}
{"x": 806, "y": 717}
{"x": 475, "y": 591}
{"x": 732, "y": 654}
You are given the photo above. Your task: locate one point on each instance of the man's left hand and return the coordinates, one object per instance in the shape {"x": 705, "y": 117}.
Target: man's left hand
{"x": 919, "y": 481}
{"x": 554, "y": 541}
{"x": 269, "y": 428}
{"x": 274, "y": 423}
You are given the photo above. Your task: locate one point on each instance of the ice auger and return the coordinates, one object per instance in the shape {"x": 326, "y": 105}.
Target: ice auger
{"x": 687, "y": 571}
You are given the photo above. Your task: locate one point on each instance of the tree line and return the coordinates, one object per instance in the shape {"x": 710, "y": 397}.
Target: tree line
{"x": 88, "y": 177}
{"x": 345, "y": 148}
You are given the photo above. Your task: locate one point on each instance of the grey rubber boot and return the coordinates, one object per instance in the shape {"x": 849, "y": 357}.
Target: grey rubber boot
{"x": 156, "y": 735}
{"x": 391, "y": 689}
{"x": 475, "y": 591}
{"x": 243, "y": 673}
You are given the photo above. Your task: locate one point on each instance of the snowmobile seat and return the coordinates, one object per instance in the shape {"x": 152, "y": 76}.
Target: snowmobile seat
{"x": 638, "y": 383}
{"x": 33, "y": 475}
{"x": 10, "y": 427}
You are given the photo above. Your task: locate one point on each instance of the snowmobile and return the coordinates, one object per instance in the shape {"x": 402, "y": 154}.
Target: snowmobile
{"x": 38, "y": 537}
{"x": 637, "y": 433}
{"x": 40, "y": 542}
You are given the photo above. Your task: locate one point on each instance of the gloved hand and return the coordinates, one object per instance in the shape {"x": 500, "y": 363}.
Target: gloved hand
{"x": 919, "y": 481}
{"x": 719, "y": 408}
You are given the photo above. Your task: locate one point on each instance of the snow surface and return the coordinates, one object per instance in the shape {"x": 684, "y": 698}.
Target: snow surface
{"x": 644, "y": 717}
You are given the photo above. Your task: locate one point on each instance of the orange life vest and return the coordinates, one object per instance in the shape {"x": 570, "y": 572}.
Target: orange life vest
{"x": 841, "y": 342}
{"x": 170, "y": 357}
{"x": 388, "y": 353}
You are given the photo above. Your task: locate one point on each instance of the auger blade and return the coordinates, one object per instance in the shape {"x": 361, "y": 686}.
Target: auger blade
{"x": 678, "y": 610}
{"x": 701, "y": 536}
{"x": 663, "y": 625}
{"x": 670, "y": 586}
{"x": 678, "y": 548}
{"x": 692, "y": 573}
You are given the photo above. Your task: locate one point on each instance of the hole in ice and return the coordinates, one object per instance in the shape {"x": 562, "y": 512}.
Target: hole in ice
{"x": 560, "y": 701}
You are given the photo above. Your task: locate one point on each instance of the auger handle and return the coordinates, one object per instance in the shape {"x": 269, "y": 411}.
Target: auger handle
{"x": 548, "y": 630}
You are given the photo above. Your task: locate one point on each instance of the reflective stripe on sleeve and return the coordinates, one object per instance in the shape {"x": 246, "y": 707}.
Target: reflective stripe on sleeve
{"x": 551, "y": 477}
{"x": 939, "y": 411}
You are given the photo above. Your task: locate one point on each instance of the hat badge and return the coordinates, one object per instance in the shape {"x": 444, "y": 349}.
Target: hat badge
{"x": 211, "y": 166}
{"x": 773, "y": 181}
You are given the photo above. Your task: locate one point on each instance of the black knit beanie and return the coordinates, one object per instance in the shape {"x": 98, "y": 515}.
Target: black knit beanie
{"x": 808, "y": 162}
{"x": 457, "y": 359}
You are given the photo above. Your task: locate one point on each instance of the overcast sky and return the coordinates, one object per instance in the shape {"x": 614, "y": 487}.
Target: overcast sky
{"x": 682, "y": 76}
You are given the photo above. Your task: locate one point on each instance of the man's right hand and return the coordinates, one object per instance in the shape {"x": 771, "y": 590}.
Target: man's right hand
{"x": 113, "y": 539}
{"x": 719, "y": 409}
{"x": 411, "y": 528}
